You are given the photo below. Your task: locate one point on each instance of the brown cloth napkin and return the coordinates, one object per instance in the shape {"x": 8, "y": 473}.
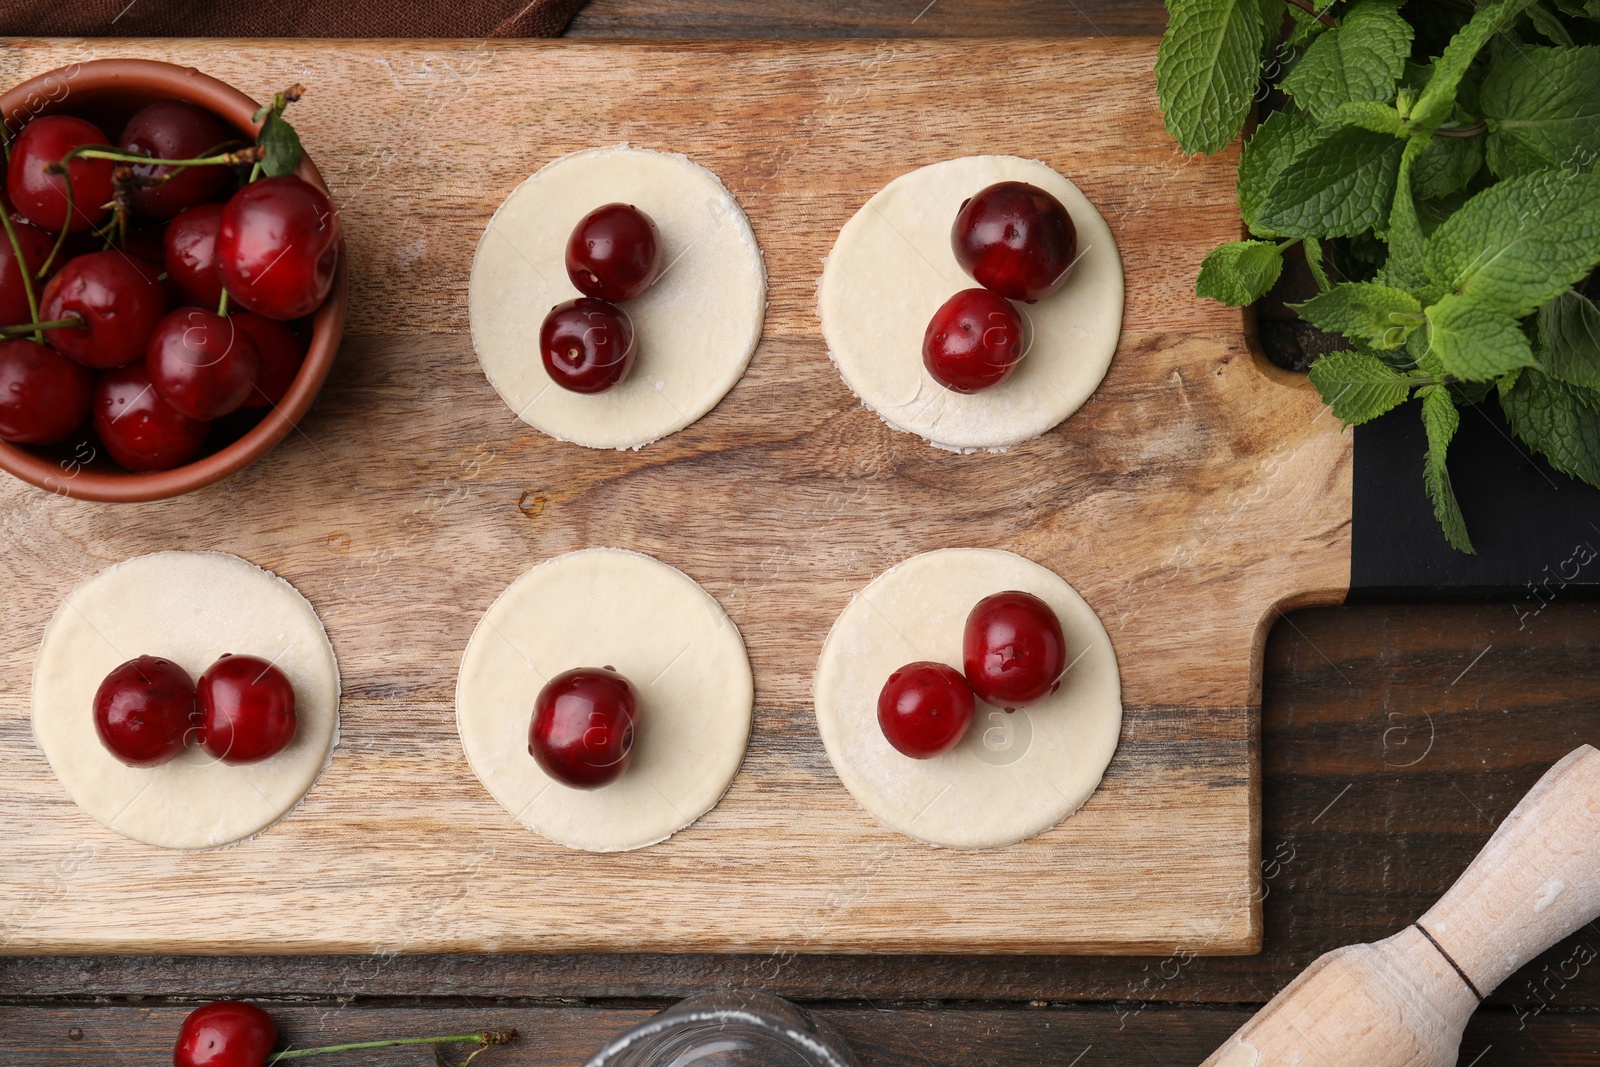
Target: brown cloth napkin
{"x": 286, "y": 18}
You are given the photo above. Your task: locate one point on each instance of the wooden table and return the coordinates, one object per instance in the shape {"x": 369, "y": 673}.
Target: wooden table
{"x": 1394, "y": 738}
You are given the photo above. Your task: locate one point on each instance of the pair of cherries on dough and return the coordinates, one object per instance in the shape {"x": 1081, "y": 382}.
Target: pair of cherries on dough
{"x": 242, "y": 710}
{"x": 1013, "y": 654}
{"x": 587, "y": 343}
{"x": 1018, "y": 243}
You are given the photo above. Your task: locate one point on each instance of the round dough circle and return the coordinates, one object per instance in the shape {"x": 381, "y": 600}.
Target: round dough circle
{"x": 892, "y": 267}
{"x": 668, "y": 636}
{"x": 1013, "y": 776}
{"x": 189, "y": 607}
{"x": 695, "y": 328}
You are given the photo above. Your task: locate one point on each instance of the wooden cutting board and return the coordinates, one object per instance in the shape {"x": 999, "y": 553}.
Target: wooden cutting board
{"x": 1193, "y": 496}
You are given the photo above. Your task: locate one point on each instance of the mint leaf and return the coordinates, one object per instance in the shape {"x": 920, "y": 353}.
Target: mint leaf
{"x": 1438, "y": 97}
{"x": 1340, "y": 186}
{"x": 1542, "y": 106}
{"x": 1445, "y": 165}
{"x": 1272, "y": 147}
{"x": 1557, "y": 420}
{"x": 1371, "y": 115}
{"x": 1440, "y": 419}
{"x": 1405, "y": 267}
{"x": 1313, "y": 253}
{"x": 1545, "y": 21}
{"x": 1381, "y": 316}
{"x": 1569, "y": 340}
{"x": 1207, "y": 69}
{"x": 1476, "y": 342}
{"x": 1361, "y": 60}
{"x": 1239, "y": 273}
{"x": 1358, "y": 386}
{"x": 1521, "y": 241}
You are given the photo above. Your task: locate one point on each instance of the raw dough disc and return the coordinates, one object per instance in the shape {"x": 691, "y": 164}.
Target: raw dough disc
{"x": 695, "y": 328}
{"x": 891, "y": 268}
{"x": 604, "y": 607}
{"x": 1013, "y": 776}
{"x": 189, "y": 607}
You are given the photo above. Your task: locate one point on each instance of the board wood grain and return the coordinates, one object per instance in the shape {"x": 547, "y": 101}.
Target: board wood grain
{"x": 1192, "y": 498}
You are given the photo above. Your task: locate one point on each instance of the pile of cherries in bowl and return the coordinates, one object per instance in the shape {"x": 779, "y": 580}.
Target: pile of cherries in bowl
{"x": 154, "y": 288}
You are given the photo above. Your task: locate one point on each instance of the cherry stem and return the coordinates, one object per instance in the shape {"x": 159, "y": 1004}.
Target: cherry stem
{"x": 222, "y": 304}
{"x": 66, "y": 226}
{"x": 483, "y": 1039}
{"x": 22, "y": 269}
{"x": 37, "y": 328}
{"x": 249, "y": 154}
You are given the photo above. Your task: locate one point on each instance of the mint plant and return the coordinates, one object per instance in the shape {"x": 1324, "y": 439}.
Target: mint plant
{"x": 1435, "y": 163}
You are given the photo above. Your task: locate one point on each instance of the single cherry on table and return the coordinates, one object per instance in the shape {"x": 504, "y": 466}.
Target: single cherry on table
{"x": 1013, "y": 650}
{"x": 614, "y": 253}
{"x": 44, "y": 396}
{"x": 141, "y": 431}
{"x": 1015, "y": 239}
{"x": 925, "y": 708}
{"x": 586, "y": 345}
{"x": 247, "y": 709}
{"x": 144, "y": 710}
{"x": 278, "y": 247}
{"x": 119, "y": 301}
{"x": 41, "y": 196}
{"x": 973, "y": 342}
{"x": 583, "y": 727}
{"x": 225, "y": 1033}
{"x": 202, "y": 363}
{"x": 174, "y": 129}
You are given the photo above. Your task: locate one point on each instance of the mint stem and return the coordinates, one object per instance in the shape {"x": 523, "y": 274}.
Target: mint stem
{"x": 1309, "y": 8}
{"x": 27, "y": 275}
{"x": 483, "y": 1039}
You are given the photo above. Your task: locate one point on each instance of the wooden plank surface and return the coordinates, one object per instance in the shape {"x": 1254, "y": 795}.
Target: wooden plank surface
{"x": 1188, "y": 499}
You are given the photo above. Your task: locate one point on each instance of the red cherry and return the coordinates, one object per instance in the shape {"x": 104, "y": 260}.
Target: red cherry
{"x": 143, "y": 711}
{"x": 1016, "y": 239}
{"x": 225, "y": 1033}
{"x": 174, "y": 129}
{"x": 14, "y": 309}
{"x": 973, "y": 342}
{"x": 278, "y": 246}
{"x": 247, "y": 709}
{"x": 190, "y": 253}
{"x": 280, "y": 358}
{"x": 924, "y": 709}
{"x": 44, "y": 396}
{"x": 119, "y": 301}
{"x": 201, "y": 363}
{"x": 586, "y": 345}
{"x": 141, "y": 431}
{"x": 614, "y": 253}
{"x": 40, "y": 195}
{"x": 582, "y": 729}
{"x": 1013, "y": 649}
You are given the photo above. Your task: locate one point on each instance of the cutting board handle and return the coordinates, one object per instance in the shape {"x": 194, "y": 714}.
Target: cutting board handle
{"x": 1535, "y": 882}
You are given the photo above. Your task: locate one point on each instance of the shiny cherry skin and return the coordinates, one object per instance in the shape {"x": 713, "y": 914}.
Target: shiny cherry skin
{"x": 247, "y": 709}
{"x": 586, "y": 345}
{"x": 42, "y": 196}
{"x": 1015, "y": 239}
{"x": 924, "y": 709}
{"x": 225, "y": 1033}
{"x": 44, "y": 396}
{"x": 174, "y": 129}
{"x": 278, "y": 247}
{"x": 1013, "y": 649}
{"x": 201, "y": 363}
{"x": 279, "y": 354}
{"x": 614, "y": 253}
{"x": 35, "y": 244}
{"x": 144, "y": 710}
{"x": 141, "y": 431}
{"x": 119, "y": 300}
{"x": 583, "y": 726}
{"x": 189, "y": 251}
{"x": 973, "y": 342}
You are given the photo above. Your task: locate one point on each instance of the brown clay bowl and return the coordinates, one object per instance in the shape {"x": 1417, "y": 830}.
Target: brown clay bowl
{"x": 109, "y": 91}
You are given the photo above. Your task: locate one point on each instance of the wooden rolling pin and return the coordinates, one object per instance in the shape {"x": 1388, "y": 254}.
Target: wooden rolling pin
{"x": 1404, "y": 1001}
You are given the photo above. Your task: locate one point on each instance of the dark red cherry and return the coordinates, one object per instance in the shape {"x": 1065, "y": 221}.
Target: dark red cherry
{"x": 247, "y": 710}
{"x": 924, "y": 709}
{"x": 14, "y": 309}
{"x": 582, "y": 729}
{"x": 1016, "y": 239}
{"x": 280, "y": 357}
{"x": 119, "y": 300}
{"x": 189, "y": 250}
{"x": 1013, "y": 649}
{"x": 614, "y": 253}
{"x": 141, "y": 431}
{"x": 44, "y": 396}
{"x": 143, "y": 711}
{"x": 174, "y": 129}
{"x": 278, "y": 247}
{"x": 201, "y": 363}
{"x": 586, "y": 345}
{"x": 973, "y": 342}
{"x": 40, "y": 195}
{"x": 225, "y": 1033}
